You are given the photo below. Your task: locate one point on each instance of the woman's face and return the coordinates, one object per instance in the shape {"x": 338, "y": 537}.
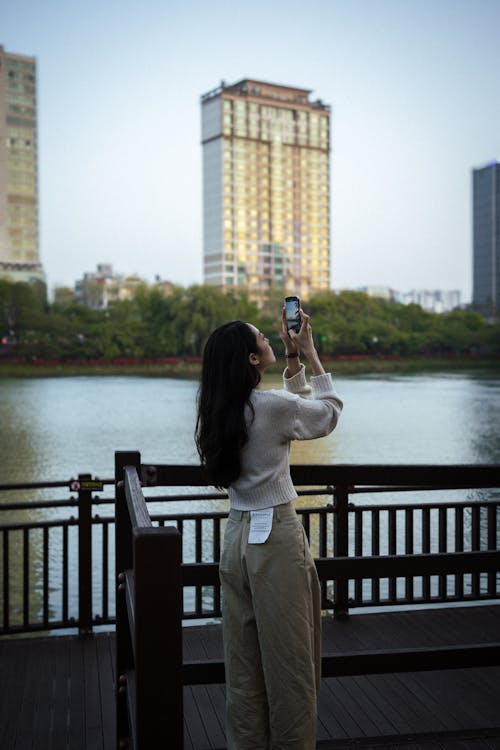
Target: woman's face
{"x": 265, "y": 353}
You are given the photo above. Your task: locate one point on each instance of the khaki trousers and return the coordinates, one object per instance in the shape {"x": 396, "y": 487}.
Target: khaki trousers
{"x": 272, "y": 635}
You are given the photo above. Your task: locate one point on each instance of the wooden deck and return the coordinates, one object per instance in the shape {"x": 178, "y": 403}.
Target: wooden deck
{"x": 57, "y": 693}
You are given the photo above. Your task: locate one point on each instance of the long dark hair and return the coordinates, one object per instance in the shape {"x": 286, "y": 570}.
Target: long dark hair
{"x": 227, "y": 380}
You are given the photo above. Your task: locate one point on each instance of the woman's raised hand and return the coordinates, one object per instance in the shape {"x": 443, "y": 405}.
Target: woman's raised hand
{"x": 303, "y": 340}
{"x": 300, "y": 342}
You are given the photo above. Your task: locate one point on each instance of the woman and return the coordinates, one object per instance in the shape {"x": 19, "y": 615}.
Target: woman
{"x": 271, "y": 595}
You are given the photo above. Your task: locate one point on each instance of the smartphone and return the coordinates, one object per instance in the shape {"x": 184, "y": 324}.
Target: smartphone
{"x": 292, "y": 308}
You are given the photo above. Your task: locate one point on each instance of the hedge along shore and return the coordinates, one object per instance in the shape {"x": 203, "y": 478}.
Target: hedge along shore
{"x": 354, "y": 365}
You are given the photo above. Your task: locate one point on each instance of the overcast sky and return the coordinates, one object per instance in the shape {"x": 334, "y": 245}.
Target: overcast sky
{"x": 415, "y": 96}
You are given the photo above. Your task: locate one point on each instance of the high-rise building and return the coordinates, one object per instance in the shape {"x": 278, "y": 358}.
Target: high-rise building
{"x": 486, "y": 237}
{"x": 19, "y": 250}
{"x": 266, "y": 195}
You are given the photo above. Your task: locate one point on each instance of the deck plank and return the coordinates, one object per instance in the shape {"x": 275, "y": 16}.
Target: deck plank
{"x": 212, "y": 724}
{"x": 106, "y": 668}
{"x": 76, "y": 698}
{"x": 7, "y": 658}
{"x": 58, "y": 692}
{"x": 395, "y": 722}
{"x": 335, "y": 714}
{"x": 44, "y": 698}
{"x": 59, "y": 729}
{"x": 454, "y": 699}
{"x": 194, "y": 723}
{"x": 93, "y": 723}
{"x": 400, "y": 691}
{"x": 25, "y": 729}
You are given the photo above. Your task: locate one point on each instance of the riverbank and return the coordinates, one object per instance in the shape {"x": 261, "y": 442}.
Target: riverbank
{"x": 191, "y": 369}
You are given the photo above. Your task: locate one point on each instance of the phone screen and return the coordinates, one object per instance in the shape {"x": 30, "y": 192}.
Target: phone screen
{"x": 292, "y": 307}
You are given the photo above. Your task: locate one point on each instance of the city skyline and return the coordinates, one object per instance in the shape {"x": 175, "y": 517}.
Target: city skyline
{"x": 413, "y": 91}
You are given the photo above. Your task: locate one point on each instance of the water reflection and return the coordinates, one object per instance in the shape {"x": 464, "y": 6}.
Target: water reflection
{"x": 25, "y": 596}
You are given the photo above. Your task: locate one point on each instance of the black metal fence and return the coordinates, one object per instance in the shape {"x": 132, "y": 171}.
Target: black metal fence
{"x": 57, "y": 556}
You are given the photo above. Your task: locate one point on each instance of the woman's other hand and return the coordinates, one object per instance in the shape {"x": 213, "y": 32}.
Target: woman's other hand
{"x": 284, "y": 334}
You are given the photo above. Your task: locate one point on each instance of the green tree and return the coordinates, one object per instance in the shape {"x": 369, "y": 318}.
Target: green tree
{"x": 203, "y": 308}
{"x": 154, "y": 325}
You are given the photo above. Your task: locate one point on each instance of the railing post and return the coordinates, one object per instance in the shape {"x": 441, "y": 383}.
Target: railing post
{"x": 341, "y": 548}
{"x": 84, "y": 558}
{"x": 123, "y": 562}
{"x": 158, "y": 638}
{"x": 492, "y": 544}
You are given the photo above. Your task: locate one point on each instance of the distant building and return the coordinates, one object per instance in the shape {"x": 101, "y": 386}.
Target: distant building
{"x": 98, "y": 289}
{"x": 19, "y": 247}
{"x": 381, "y": 292}
{"x": 437, "y": 300}
{"x": 266, "y": 194}
{"x": 486, "y": 237}
{"x": 129, "y": 286}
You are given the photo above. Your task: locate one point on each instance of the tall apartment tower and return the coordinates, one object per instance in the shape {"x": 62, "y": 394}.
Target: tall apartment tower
{"x": 19, "y": 252}
{"x": 266, "y": 195}
{"x": 486, "y": 237}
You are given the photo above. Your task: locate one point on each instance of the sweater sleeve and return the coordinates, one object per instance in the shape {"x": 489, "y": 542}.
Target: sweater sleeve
{"x": 297, "y": 383}
{"x": 316, "y": 416}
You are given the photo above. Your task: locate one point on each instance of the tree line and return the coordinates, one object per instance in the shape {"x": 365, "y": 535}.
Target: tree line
{"x": 153, "y": 325}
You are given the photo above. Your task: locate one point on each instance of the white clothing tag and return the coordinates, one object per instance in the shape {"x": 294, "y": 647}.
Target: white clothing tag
{"x": 261, "y": 523}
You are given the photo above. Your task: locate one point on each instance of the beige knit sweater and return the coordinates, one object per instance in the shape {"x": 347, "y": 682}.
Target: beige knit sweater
{"x": 281, "y": 416}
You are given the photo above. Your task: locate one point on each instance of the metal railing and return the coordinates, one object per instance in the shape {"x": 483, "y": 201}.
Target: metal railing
{"x": 150, "y": 667}
{"x": 58, "y": 573}
{"x": 48, "y": 565}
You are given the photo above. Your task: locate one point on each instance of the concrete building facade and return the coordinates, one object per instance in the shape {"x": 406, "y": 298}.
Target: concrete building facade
{"x": 486, "y": 237}
{"x": 19, "y": 242}
{"x": 266, "y": 189}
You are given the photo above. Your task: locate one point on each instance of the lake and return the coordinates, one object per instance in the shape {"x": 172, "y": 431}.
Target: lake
{"x": 55, "y": 428}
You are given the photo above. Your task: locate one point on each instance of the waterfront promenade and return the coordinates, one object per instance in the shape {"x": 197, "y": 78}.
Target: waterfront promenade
{"x": 422, "y": 671}
{"x": 58, "y": 692}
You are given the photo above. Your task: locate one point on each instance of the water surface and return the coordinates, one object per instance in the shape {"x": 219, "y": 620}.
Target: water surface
{"x": 54, "y": 428}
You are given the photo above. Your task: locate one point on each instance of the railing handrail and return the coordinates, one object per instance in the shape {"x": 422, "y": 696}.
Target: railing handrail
{"x": 382, "y": 566}
{"x": 409, "y": 476}
{"x": 466, "y": 476}
{"x": 137, "y": 508}
{"x": 44, "y": 485}
{"x": 359, "y": 478}
{"x": 74, "y": 503}
{"x": 148, "y": 616}
{"x": 372, "y": 566}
